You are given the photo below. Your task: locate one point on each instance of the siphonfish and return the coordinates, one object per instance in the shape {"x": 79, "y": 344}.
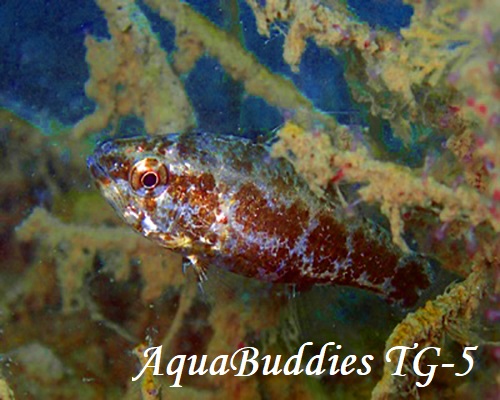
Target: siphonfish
{"x": 224, "y": 201}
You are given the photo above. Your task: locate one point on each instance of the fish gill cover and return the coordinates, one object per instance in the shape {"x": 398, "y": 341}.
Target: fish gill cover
{"x": 389, "y": 110}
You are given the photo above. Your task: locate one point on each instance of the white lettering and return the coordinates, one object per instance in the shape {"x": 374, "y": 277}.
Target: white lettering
{"x": 267, "y": 362}
{"x": 333, "y": 367}
{"x": 245, "y": 351}
{"x": 432, "y": 367}
{"x": 298, "y": 360}
{"x": 156, "y": 356}
{"x": 200, "y": 370}
{"x": 318, "y": 370}
{"x": 366, "y": 365}
{"x": 348, "y": 361}
{"x": 222, "y": 369}
{"x": 401, "y": 357}
{"x": 178, "y": 371}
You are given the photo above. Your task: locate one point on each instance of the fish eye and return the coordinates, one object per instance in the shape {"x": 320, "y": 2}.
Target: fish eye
{"x": 150, "y": 180}
{"x": 148, "y": 174}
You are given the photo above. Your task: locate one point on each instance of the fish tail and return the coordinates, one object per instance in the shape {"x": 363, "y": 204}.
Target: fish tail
{"x": 413, "y": 276}
{"x": 377, "y": 264}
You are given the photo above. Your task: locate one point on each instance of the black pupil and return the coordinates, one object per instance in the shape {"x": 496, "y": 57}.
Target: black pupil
{"x": 150, "y": 180}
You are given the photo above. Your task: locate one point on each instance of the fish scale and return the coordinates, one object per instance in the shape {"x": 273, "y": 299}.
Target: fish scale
{"x": 224, "y": 201}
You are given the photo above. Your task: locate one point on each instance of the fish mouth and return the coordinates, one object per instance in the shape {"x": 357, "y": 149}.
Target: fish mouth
{"x": 97, "y": 171}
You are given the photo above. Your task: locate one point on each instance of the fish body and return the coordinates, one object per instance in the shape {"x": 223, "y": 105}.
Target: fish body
{"x": 224, "y": 201}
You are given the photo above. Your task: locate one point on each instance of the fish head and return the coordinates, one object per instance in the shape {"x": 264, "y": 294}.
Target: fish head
{"x": 133, "y": 175}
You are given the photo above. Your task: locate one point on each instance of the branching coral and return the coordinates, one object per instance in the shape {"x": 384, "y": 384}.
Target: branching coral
{"x": 381, "y": 61}
{"x": 150, "y": 389}
{"x": 335, "y": 27}
{"x": 74, "y": 251}
{"x": 381, "y": 178}
{"x": 129, "y": 74}
{"x": 441, "y": 73}
{"x": 195, "y": 33}
{"x": 476, "y": 76}
{"x": 450, "y": 312}
{"x": 5, "y": 392}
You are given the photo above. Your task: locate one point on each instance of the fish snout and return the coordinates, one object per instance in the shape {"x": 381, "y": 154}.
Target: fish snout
{"x": 96, "y": 170}
{"x": 95, "y": 161}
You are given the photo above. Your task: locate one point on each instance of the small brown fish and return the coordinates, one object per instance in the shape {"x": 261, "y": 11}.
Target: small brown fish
{"x": 223, "y": 201}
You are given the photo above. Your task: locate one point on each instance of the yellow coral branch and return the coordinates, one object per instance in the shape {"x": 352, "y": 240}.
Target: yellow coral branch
{"x": 129, "y": 74}
{"x": 5, "y": 391}
{"x": 74, "y": 247}
{"x": 428, "y": 324}
{"x": 150, "y": 388}
{"x": 239, "y": 63}
{"x": 331, "y": 27}
{"x": 394, "y": 186}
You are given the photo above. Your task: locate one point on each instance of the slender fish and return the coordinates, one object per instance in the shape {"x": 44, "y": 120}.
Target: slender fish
{"x": 223, "y": 201}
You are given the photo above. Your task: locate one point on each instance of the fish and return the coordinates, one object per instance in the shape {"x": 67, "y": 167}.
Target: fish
{"x": 223, "y": 201}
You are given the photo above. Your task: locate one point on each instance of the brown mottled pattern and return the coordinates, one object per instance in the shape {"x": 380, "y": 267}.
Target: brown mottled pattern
{"x": 228, "y": 203}
{"x": 378, "y": 259}
{"x": 255, "y": 215}
{"x": 195, "y": 192}
{"x": 118, "y": 169}
{"x": 328, "y": 241}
